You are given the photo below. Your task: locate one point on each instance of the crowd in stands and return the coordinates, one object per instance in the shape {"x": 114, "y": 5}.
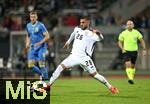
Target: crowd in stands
{"x": 14, "y": 13}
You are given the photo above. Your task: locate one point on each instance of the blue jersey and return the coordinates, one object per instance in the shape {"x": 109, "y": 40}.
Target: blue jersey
{"x": 35, "y": 33}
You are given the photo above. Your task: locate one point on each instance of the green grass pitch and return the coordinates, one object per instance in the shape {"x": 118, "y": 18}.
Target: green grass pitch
{"x": 90, "y": 91}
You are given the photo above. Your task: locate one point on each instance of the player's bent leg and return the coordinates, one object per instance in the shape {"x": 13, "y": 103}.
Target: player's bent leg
{"x": 105, "y": 82}
{"x": 128, "y": 64}
{"x": 44, "y": 70}
{"x": 31, "y": 65}
{"x": 93, "y": 72}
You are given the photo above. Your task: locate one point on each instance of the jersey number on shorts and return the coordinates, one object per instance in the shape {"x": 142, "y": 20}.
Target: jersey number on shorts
{"x": 79, "y": 37}
{"x": 88, "y": 63}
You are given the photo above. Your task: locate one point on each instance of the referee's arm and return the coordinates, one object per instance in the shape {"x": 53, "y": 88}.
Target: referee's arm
{"x": 120, "y": 44}
{"x": 143, "y": 46}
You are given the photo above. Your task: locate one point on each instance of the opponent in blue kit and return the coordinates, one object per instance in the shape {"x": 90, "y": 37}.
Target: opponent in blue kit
{"x": 36, "y": 44}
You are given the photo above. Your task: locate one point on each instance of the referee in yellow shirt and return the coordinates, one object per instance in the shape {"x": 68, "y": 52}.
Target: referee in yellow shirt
{"x": 128, "y": 43}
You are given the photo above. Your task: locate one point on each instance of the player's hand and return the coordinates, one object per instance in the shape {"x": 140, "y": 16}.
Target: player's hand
{"x": 123, "y": 51}
{"x": 66, "y": 45}
{"x": 37, "y": 44}
{"x": 96, "y": 31}
{"x": 25, "y": 51}
{"x": 27, "y": 46}
{"x": 144, "y": 52}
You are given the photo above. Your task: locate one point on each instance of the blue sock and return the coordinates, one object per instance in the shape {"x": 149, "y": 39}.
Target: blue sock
{"x": 44, "y": 71}
{"x": 37, "y": 70}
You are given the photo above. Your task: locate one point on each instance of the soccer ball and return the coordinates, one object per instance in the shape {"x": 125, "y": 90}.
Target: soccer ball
{"x": 36, "y": 85}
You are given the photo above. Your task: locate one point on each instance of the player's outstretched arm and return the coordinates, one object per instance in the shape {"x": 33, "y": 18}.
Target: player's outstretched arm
{"x": 99, "y": 34}
{"x": 69, "y": 40}
{"x": 66, "y": 45}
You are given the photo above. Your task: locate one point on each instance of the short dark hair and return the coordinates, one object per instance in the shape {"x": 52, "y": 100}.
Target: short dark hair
{"x": 85, "y": 17}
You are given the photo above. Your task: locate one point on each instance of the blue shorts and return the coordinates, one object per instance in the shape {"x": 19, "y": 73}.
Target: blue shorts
{"x": 37, "y": 54}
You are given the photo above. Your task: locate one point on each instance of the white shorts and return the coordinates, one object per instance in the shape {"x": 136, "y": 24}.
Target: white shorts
{"x": 85, "y": 62}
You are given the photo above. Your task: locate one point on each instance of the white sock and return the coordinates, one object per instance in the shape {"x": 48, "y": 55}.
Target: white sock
{"x": 56, "y": 74}
{"x": 102, "y": 80}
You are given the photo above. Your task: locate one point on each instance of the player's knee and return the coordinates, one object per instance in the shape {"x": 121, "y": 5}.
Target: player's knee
{"x": 93, "y": 74}
{"x": 128, "y": 64}
{"x": 31, "y": 65}
{"x": 63, "y": 66}
{"x": 42, "y": 64}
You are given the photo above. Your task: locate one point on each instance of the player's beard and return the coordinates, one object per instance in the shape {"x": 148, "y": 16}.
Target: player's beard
{"x": 130, "y": 29}
{"x": 33, "y": 22}
{"x": 83, "y": 28}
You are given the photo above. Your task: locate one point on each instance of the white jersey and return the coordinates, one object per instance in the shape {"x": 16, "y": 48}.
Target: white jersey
{"x": 84, "y": 40}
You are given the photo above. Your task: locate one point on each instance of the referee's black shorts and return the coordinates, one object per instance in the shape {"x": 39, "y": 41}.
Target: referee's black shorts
{"x": 130, "y": 56}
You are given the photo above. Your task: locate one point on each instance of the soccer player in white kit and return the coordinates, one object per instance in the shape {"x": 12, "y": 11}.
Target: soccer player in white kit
{"x": 81, "y": 53}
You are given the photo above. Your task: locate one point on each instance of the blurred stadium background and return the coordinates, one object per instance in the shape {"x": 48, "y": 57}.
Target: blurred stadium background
{"x": 60, "y": 17}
